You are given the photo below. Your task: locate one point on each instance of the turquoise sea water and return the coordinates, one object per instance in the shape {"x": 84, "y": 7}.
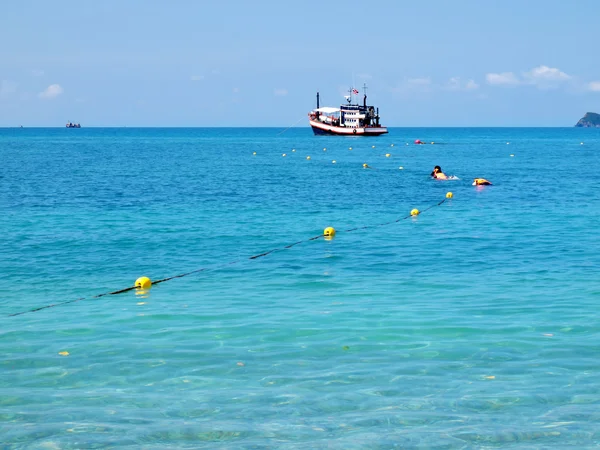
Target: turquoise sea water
{"x": 472, "y": 325}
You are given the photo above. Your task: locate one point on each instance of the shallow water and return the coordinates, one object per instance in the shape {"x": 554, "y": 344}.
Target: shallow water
{"x": 472, "y": 325}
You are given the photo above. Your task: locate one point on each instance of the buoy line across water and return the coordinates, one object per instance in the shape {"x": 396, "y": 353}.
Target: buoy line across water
{"x": 144, "y": 283}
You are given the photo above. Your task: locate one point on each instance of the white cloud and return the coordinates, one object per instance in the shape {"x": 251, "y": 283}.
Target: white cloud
{"x": 197, "y": 77}
{"x": 546, "y": 73}
{"x": 280, "y": 92}
{"x": 594, "y": 86}
{"x": 456, "y": 84}
{"x": 544, "y": 77}
{"x": 7, "y": 88}
{"x": 52, "y": 91}
{"x": 471, "y": 85}
{"x": 502, "y": 79}
{"x": 37, "y": 73}
{"x": 453, "y": 84}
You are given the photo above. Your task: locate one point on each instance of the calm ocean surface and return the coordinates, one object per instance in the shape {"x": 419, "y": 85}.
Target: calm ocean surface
{"x": 474, "y": 325}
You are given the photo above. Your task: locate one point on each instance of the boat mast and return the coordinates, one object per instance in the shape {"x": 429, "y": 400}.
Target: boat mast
{"x": 365, "y": 97}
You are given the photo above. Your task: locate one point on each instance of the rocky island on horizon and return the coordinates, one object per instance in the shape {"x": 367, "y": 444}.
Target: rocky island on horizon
{"x": 590, "y": 120}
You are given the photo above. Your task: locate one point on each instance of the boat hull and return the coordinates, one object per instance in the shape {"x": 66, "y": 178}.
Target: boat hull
{"x": 320, "y": 128}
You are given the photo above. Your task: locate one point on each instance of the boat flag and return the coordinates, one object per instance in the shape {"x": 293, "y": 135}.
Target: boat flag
{"x": 355, "y": 91}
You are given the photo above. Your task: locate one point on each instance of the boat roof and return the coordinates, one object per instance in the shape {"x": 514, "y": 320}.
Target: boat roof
{"x": 327, "y": 110}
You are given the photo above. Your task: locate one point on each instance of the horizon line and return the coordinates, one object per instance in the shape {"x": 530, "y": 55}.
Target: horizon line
{"x": 274, "y": 126}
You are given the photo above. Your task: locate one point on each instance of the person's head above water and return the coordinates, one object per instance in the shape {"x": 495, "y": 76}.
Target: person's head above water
{"x": 438, "y": 174}
{"x": 436, "y": 169}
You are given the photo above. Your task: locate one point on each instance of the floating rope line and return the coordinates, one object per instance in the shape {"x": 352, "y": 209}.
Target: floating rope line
{"x": 328, "y": 234}
{"x": 301, "y": 118}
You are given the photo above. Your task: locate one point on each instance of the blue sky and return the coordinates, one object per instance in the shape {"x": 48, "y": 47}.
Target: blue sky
{"x": 260, "y": 63}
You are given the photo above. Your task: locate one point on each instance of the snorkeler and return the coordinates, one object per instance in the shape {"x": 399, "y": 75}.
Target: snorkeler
{"x": 438, "y": 174}
{"x": 481, "y": 182}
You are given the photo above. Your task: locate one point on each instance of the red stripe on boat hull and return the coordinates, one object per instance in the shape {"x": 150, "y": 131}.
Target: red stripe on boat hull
{"x": 323, "y": 128}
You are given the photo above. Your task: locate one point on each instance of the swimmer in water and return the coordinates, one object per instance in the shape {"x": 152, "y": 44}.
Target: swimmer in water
{"x": 481, "y": 182}
{"x": 438, "y": 174}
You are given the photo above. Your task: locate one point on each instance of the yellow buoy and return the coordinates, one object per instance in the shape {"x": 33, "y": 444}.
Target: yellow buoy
{"x": 349, "y": 148}
{"x": 63, "y": 353}
{"x": 143, "y": 283}
{"x": 284, "y": 154}
{"x": 329, "y": 232}
{"x": 581, "y": 143}
{"x": 432, "y": 143}
{"x": 415, "y": 212}
{"x": 449, "y": 195}
{"x": 373, "y": 146}
{"x": 387, "y": 155}
{"x": 254, "y": 153}
{"x": 293, "y": 149}
{"x": 333, "y": 162}
{"x": 325, "y": 149}
{"x": 401, "y": 168}
{"x": 308, "y": 157}
{"x": 392, "y": 145}
{"x": 512, "y": 155}
{"x": 365, "y": 165}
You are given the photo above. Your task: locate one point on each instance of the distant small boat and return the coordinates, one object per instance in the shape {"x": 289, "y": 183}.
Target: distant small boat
{"x": 73, "y": 125}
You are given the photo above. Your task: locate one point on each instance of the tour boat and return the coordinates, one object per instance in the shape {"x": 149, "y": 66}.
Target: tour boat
{"x": 350, "y": 119}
